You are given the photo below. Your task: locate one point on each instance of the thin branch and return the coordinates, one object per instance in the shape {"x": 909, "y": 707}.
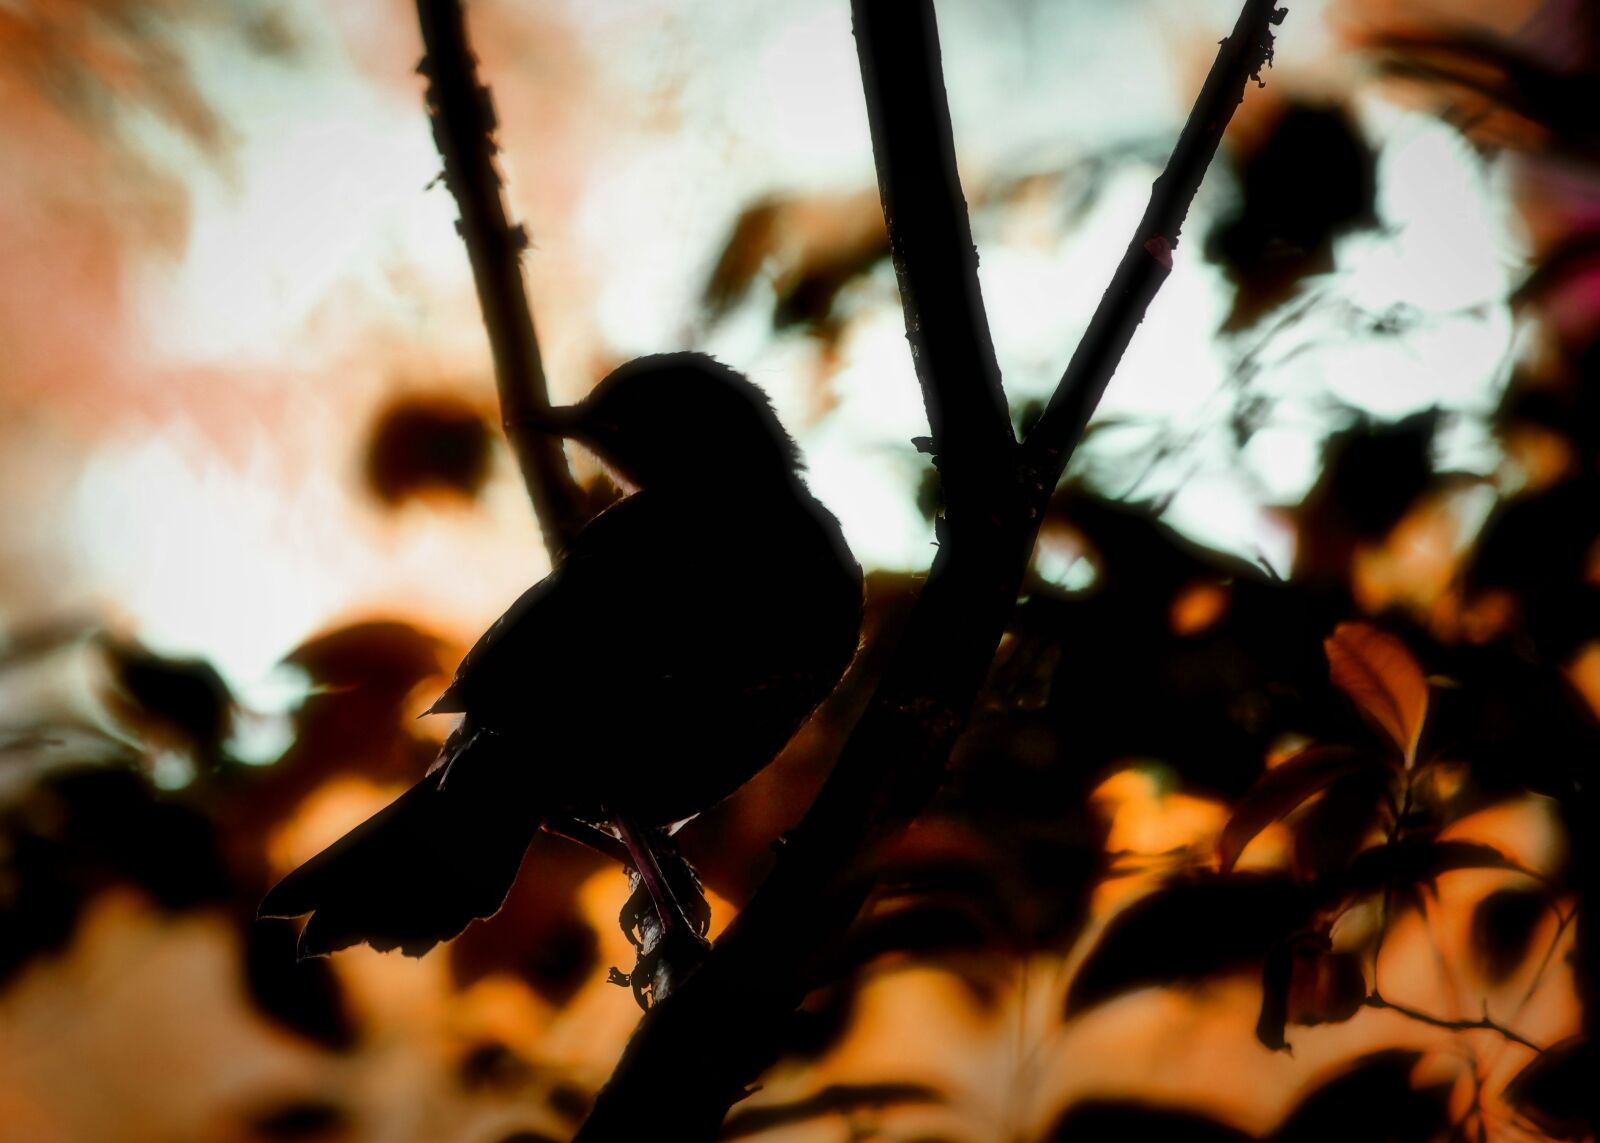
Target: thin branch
{"x": 461, "y": 111}
{"x": 1484, "y": 1024}
{"x": 693, "y": 1054}
{"x": 463, "y": 118}
{"x": 1148, "y": 259}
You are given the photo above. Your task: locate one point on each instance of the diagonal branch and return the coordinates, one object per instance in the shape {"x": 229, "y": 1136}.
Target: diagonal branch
{"x": 463, "y": 118}
{"x": 694, "y": 1053}
{"x": 1148, "y": 259}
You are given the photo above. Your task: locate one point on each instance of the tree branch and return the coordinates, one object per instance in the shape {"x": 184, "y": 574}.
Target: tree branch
{"x": 693, "y": 1054}
{"x": 1148, "y": 259}
{"x": 461, "y": 110}
{"x": 1375, "y": 1000}
{"x": 463, "y": 118}
{"x": 930, "y": 241}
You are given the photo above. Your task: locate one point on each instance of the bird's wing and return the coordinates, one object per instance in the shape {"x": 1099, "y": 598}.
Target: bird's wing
{"x": 589, "y": 614}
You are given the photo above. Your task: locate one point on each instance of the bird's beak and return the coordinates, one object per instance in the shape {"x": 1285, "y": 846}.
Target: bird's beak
{"x": 558, "y": 420}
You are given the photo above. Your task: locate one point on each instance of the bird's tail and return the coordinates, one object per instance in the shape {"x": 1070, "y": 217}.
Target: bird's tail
{"x": 416, "y": 873}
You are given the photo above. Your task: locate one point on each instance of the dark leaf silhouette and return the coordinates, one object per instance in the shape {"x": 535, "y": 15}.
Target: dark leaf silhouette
{"x": 1371, "y": 474}
{"x": 1374, "y": 1101}
{"x": 1118, "y": 1122}
{"x": 1187, "y": 932}
{"x": 303, "y": 995}
{"x": 80, "y": 832}
{"x": 1312, "y": 180}
{"x": 1503, "y": 927}
{"x": 303, "y": 1121}
{"x": 179, "y": 700}
{"x": 1281, "y": 790}
{"x": 1339, "y": 824}
{"x": 836, "y": 1099}
{"x": 1556, "y": 1090}
{"x": 1277, "y": 975}
{"x": 1419, "y": 862}
{"x": 1506, "y": 77}
{"x": 428, "y": 444}
{"x": 1304, "y": 981}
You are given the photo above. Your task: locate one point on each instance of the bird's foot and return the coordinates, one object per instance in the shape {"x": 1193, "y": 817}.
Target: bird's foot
{"x": 668, "y": 936}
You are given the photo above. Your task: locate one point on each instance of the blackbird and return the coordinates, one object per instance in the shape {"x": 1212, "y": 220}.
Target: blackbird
{"x": 689, "y": 630}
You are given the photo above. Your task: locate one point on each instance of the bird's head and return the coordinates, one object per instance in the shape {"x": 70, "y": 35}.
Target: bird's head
{"x": 680, "y": 418}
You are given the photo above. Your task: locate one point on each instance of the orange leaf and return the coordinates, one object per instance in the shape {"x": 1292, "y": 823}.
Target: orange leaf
{"x": 1379, "y": 674}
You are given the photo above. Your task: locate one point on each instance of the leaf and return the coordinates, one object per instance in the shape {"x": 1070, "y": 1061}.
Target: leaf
{"x": 1503, "y": 928}
{"x": 1280, "y": 791}
{"x": 1187, "y": 932}
{"x": 1373, "y": 1100}
{"x": 1553, "y": 1091}
{"x": 1339, "y": 825}
{"x": 1303, "y": 981}
{"x": 1420, "y": 861}
{"x": 1113, "y": 1121}
{"x": 1327, "y": 987}
{"x": 1378, "y": 673}
{"x": 1276, "y": 975}
{"x": 845, "y": 1100}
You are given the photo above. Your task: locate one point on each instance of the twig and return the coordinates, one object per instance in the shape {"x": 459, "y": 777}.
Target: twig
{"x": 693, "y": 1054}
{"x": 1148, "y": 259}
{"x": 462, "y": 114}
{"x": 1483, "y": 1024}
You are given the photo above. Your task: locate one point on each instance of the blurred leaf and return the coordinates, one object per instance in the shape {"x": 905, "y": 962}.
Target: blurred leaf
{"x": 1311, "y": 180}
{"x": 1303, "y": 981}
{"x": 1503, "y": 928}
{"x": 182, "y": 697}
{"x": 303, "y": 995}
{"x": 1327, "y": 987}
{"x": 434, "y": 443}
{"x": 1097, "y": 1121}
{"x": 1340, "y": 824}
{"x": 1558, "y": 104}
{"x": 1277, "y": 973}
{"x": 1419, "y": 861}
{"x": 1187, "y": 932}
{"x": 1555, "y": 1090}
{"x": 1374, "y": 1102}
{"x": 835, "y": 1099}
{"x": 1377, "y": 671}
{"x": 1281, "y": 790}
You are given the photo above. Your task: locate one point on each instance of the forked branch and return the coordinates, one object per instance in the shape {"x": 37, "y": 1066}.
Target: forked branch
{"x": 694, "y": 1054}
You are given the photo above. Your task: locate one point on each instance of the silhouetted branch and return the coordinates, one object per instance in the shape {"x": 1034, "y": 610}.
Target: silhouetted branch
{"x": 930, "y": 242}
{"x": 462, "y": 113}
{"x": 1485, "y": 1024}
{"x": 463, "y": 118}
{"x": 693, "y": 1054}
{"x": 1148, "y": 259}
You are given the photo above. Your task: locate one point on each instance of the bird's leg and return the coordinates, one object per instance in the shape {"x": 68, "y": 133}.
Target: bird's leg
{"x": 590, "y": 837}
{"x": 655, "y": 880}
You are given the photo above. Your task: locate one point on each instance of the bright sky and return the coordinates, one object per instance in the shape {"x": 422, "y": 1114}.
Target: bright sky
{"x": 200, "y": 479}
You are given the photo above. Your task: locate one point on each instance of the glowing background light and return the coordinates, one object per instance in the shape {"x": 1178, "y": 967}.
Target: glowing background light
{"x": 318, "y": 273}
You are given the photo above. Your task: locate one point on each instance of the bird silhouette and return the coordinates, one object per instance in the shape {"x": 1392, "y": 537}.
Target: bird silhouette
{"x": 687, "y": 633}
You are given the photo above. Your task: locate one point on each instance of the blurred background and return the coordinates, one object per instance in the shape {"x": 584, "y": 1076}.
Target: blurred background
{"x": 1199, "y": 872}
